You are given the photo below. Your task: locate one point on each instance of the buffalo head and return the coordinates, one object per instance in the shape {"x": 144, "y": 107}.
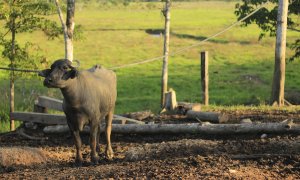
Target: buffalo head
{"x": 60, "y": 73}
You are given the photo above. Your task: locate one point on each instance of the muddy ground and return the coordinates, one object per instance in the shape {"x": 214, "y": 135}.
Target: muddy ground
{"x": 184, "y": 156}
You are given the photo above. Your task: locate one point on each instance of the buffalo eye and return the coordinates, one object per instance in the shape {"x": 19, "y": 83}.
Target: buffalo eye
{"x": 65, "y": 67}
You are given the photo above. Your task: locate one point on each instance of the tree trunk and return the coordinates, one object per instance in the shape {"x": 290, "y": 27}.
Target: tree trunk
{"x": 12, "y": 74}
{"x": 279, "y": 70}
{"x": 164, "y": 83}
{"x": 68, "y": 27}
{"x": 12, "y": 101}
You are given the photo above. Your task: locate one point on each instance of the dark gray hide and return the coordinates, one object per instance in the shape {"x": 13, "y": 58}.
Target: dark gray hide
{"x": 89, "y": 97}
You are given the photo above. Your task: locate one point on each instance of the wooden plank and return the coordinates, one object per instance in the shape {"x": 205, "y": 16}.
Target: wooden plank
{"x": 42, "y": 118}
{"x": 58, "y": 119}
{"x": 50, "y": 103}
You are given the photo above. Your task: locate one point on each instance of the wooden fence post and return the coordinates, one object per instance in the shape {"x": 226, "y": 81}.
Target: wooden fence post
{"x": 164, "y": 81}
{"x": 277, "y": 96}
{"x": 204, "y": 77}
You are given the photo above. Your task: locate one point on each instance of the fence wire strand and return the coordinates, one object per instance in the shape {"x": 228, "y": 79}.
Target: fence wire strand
{"x": 194, "y": 45}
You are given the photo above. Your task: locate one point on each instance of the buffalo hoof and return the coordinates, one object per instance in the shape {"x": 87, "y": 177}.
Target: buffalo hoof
{"x": 78, "y": 163}
{"x": 98, "y": 148}
{"x": 109, "y": 154}
{"x": 95, "y": 160}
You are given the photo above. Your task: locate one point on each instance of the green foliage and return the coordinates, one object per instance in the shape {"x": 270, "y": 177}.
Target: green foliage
{"x": 296, "y": 47}
{"x": 266, "y": 18}
{"x": 24, "y": 16}
{"x": 28, "y": 15}
{"x": 23, "y": 57}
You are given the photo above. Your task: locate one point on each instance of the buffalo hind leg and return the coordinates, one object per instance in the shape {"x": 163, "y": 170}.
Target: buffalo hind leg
{"x": 77, "y": 139}
{"x": 109, "y": 151}
{"x": 93, "y": 142}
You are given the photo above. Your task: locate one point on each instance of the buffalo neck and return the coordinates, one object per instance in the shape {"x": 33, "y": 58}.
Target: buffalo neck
{"x": 71, "y": 90}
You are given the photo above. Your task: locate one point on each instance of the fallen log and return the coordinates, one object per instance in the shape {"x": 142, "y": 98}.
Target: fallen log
{"x": 213, "y": 117}
{"x": 189, "y": 106}
{"x": 196, "y": 128}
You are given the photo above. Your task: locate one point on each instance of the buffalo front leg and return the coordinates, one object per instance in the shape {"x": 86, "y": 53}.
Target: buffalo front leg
{"x": 98, "y": 139}
{"x": 93, "y": 142}
{"x": 77, "y": 139}
{"x": 109, "y": 151}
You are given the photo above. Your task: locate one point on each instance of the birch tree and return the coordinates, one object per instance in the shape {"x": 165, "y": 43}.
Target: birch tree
{"x": 68, "y": 27}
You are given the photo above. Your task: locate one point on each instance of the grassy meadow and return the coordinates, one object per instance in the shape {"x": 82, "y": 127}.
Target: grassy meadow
{"x": 240, "y": 66}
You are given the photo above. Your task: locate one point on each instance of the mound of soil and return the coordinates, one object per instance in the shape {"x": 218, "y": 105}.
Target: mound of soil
{"x": 12, "y": 156}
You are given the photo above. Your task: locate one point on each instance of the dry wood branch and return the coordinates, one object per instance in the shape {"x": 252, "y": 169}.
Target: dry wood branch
{"x": 22, "y": 133}
{"x": 139, "y": 115}
{"x": 130, "y": 121}
{"x": 257, "y": 156}
{"x": 287, "y": 103}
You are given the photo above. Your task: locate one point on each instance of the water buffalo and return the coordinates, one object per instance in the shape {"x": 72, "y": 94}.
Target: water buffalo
{"x": 89, "y": 97}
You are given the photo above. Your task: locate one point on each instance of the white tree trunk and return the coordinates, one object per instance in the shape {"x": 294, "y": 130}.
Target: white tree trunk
{"x": 279, "y": 70}
{"x": 68, "y": 27}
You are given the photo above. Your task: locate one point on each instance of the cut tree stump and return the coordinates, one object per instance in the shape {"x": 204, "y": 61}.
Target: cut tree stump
{"x": 170, "y": 100}
{"x": 196, "y": 128}
{"x": 213, "y": 117}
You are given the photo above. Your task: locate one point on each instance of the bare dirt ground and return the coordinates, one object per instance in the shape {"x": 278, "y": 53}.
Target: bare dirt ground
{"x": 182, "y": 156}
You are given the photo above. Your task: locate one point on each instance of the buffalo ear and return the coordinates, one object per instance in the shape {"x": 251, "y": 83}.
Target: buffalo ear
{"x": 44, "y": 73}
{"x": 71, "y": 74}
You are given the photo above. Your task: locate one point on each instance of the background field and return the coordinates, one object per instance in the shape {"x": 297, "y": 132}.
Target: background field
{"x": 240, "y": 69}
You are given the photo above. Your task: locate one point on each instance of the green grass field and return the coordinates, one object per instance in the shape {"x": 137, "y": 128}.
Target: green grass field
{"x": 240, "y": 66}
